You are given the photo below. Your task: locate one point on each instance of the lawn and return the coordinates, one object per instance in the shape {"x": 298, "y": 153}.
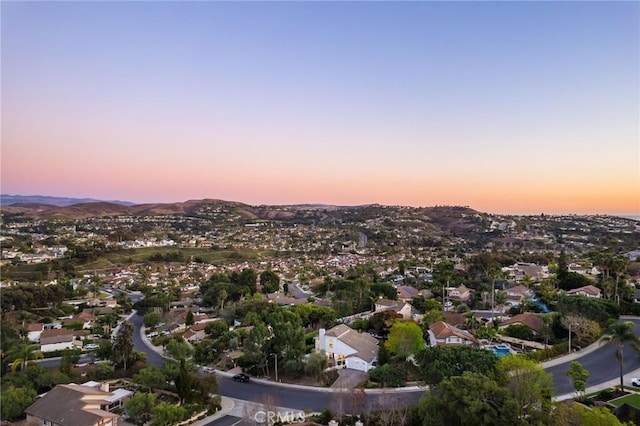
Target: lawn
{"x": 633, "y": 400}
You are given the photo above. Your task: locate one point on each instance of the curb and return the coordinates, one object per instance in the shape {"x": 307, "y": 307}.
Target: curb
{"x": 227, "y": 406}
{"x": 573, "y": 356}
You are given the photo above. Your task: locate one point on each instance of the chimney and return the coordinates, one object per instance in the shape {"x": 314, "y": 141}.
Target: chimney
{"x": 104, "y": 387}
{"x": 321, "y": 332}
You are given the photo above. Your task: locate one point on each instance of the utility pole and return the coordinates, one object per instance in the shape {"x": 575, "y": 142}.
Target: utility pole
{"x": 493, "y": 299}
{"x": 276, "y": 355}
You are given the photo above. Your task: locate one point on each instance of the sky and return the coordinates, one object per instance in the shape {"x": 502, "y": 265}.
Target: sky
{"x": 506, "y": 107}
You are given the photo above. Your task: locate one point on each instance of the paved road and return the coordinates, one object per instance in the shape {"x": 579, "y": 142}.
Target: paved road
{"x": 602, "y": 365}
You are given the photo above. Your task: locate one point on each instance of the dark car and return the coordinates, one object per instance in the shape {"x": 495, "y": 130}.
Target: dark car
{"x": 241, "y": 378}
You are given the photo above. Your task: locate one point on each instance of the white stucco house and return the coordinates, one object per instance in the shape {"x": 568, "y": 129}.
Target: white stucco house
{"x": 348, "y": 348}
{"x": 56, "y": 340}
{"x": 399, "y": 306}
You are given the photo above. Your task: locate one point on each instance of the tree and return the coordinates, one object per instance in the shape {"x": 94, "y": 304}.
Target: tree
{"x": 570, "y": 413}
{"x": 469, "y": 399}
{"x": 166, "y": 414}
{"x": 405, "y": 339}
{"x": 151, "y": 377}
{"x": 189, "y": 320}
{"x": 442, "y": 276}
{"x": 256, "y": 347}
{"x": 441, "y": 362}
{"x": 122, "y": 353}
{"x": 23, "y": 355}
{"x": 216, "y": 328}
{"x": 529, "y": 385}
{"x": 586, "y": 330}
{"x": 69, "y": 358}
{"x": 270, "y": 281}
{"x": 13, "y": 401}
{"x": 622, "y": 333}
{"x": 182, "y": 352}
{"x": 579, "y": 376}
{"x": 315, "y": 363}
{"x": 140, "y": 406}
{"x": 383, "y": 321}
{"x": 151, "y": 319}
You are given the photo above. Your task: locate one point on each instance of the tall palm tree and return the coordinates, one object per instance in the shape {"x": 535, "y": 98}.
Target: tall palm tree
{"x": 622, "y": 333}
{"x": 23, "y": 355}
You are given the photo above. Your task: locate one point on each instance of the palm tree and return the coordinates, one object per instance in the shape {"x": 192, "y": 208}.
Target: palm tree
{"x": 622, "y": 332}
{"x": 23, "y": 355}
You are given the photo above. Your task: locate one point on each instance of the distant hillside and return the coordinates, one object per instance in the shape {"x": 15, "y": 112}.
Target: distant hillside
{"x": 7, "y": 200}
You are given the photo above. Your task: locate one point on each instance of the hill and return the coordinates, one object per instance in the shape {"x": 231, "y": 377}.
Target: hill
{"x": 7, "y": 200}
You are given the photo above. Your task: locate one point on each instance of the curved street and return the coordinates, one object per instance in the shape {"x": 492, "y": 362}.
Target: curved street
{"x": 600, "y": 362}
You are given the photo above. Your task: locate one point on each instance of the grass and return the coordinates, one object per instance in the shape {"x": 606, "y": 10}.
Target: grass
{"x": 633, "y": 400}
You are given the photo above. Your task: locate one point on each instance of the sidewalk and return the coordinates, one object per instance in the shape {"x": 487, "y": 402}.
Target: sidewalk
{"x": 574, "y": 355}
{"x": 610, "y": 384}
{"x": 227, "y": 406}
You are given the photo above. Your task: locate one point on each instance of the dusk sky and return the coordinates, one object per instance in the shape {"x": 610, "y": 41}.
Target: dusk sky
{"x": 507, "y": 107}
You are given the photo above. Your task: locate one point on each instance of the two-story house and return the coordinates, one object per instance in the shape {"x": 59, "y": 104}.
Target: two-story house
{"x": 346, "y": 347}
{"x": 77, "y": 405}
{"x": 399, "y": 306}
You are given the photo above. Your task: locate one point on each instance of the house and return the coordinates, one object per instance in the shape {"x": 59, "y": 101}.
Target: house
{"x": 455, "y": 318}
{"x": 528, "y": 319}
{"x": 460, "y": 293}
{"x": 587, "y": 290}
{"x": 346, "y": 347}
{"x": 521, "y": 270}
{"x": 195, "y": 333}
{"x": 86, "y": 318}
{"x": 406, "y": 292}
{"x": 444, "y": 334}
{"x": 56, "y": 340}
{"x": 34, "y": 330}
{"x": 584, "y": 270}
{"x": 77, "y": 405}
{"x": 516, "y": 295}
{"x": 400, "y": 307}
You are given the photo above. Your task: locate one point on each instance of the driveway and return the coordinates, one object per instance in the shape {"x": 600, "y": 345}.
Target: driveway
{"x": 349, "y": 379}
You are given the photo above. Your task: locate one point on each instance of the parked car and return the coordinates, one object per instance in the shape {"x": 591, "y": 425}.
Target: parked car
{"x": 635, "y": 382}
{"x": 241, "y": 378}
{"x": 91, "y": 347}
{"x": 209, "y": 370}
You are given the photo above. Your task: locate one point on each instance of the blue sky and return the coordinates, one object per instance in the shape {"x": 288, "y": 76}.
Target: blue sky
{"x": 503, "y": 106}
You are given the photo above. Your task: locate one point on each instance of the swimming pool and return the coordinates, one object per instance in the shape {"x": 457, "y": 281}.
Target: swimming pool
{"x": 500, "y": 350}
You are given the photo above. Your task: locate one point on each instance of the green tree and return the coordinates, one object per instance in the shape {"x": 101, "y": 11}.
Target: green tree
{"x": 442, "y": 277}
{"x": 216, "y": 328}
{"x": 140, "y": 406}
{"x": 189, "y": 320}
{"x": 315, "y": 363}
{"x": 622, "y": 333}
{"x": 405, "y": 339}
{"x": 570, "y": 413}
{"x": 23, "y": 355}
{"x": 165, "y": 414}
{"x": 529, "y": 385}
{"x": 441, "y": 362}
{"x": 256, "y": 347}
{"x": 69, "y": 358}
{"x": 579, "y": 376}
{"x": 469, "y": 399}
{"x": 14, "y": 401}
{"x": 270, "y": 281}
{"x": 123, "y": 354}
{"x": 152, "y": 318}
{"x": 151, "y": 377}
